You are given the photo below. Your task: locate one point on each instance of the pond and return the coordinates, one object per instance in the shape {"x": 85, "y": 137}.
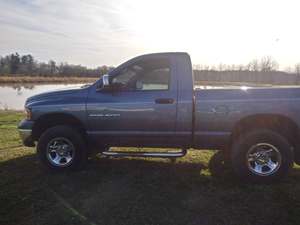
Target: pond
{"x": 14, "y": 96}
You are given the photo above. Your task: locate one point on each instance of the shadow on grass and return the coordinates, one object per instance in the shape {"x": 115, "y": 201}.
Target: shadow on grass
{"x": 137, "y": 191}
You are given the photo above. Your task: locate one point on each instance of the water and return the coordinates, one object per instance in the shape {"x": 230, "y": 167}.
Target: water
{"x": 14, "y": 96}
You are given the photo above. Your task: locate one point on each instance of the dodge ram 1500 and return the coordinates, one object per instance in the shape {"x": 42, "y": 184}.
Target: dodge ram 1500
{"x": 151, "y": 101}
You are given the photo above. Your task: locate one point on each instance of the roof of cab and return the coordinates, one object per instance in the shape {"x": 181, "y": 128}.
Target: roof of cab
{"x": 161, "y": 54}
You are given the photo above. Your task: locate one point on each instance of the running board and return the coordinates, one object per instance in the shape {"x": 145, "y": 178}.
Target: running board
{"x": 145, "y": 154}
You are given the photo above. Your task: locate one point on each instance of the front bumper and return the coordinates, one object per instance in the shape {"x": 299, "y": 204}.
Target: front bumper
{"x": 25, "y": 131}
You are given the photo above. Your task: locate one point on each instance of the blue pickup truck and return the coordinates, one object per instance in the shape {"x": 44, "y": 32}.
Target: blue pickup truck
{"x": 151, "y": 101}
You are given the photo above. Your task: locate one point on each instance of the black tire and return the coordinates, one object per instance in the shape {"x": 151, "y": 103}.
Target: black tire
{"x": 72, "y": 136}
{"x": 263, "y": 137}
{"x": 219, "y": 164}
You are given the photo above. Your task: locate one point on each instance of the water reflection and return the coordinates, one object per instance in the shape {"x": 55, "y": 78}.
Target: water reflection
{"x": 14, "y": 96}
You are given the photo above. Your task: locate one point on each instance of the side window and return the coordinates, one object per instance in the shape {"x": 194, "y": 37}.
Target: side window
{"x": 151, "y": 74}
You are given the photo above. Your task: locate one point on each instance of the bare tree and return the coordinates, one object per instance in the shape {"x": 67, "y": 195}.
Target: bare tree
{"x": 206, "y": 67}
{"x": 198, "y": 66}
{"x": 297, "y": 69}
{"x": 267, "y": 64}
{"x": 221, "y": 67}
{"x": 213, "y": 68}
{"x": 231, "y": 67}
{"x": 253, "y": 65}
{"x": 53, "y": 68}
{"x": 241, "y": 67}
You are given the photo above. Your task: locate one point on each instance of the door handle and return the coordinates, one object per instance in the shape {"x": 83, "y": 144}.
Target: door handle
{"x": 164, "y": 101}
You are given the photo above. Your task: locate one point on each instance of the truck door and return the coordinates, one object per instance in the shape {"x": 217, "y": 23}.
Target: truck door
{"x": 140, "y": 109}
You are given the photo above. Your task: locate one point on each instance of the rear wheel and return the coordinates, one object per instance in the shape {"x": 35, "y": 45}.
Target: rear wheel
{"x": 261, "y": 156}
{"x": 62, "y": 148}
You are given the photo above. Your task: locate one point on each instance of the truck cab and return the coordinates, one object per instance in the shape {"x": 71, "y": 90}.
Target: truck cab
{"x": 148, "y": 102}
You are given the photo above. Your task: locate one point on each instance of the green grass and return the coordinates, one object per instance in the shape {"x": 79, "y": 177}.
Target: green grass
{"x": 134, "y": 191}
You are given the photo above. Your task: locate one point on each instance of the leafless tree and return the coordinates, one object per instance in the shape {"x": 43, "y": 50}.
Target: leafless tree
{"x": 232, "y": 67}
{"x": 206, "y": 67}
{"x": 241, "y": 67}
{"x": 253, "y": 65}
{"x": 297, "y": 69}
{"x": 267, "y": 64}
{"x": 221, "y": 67}
{"x": 53, "y": 68}
{"x": 213, "y": 68}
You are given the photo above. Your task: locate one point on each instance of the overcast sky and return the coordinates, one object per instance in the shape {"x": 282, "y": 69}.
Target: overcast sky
{"x": 97, "y": 32}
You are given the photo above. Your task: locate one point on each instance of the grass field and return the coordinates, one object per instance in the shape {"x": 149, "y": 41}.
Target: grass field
{"x": 134, "y": 191}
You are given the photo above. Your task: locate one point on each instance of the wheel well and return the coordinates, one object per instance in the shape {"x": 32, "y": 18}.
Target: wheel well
{"x": 278, "y": 123}
{"x": 54, "y": 119}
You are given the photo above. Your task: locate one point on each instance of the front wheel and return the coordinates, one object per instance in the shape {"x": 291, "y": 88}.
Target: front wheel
{"x": 261, "y": 156}
{"x": 62, "y": 148}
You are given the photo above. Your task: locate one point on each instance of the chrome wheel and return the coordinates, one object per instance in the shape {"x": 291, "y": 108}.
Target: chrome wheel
{"x": 263, "y": 159}
{"x": 60, "y": 152}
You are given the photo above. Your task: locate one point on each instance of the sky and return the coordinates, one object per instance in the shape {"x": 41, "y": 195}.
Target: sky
{"x": 109, "y": 32}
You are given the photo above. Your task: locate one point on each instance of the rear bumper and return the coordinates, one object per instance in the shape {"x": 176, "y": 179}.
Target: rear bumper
{"x": 25, "y": 131}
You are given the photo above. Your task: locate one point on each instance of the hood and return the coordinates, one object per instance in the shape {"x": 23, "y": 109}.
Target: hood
{"x": 57, "y": 95}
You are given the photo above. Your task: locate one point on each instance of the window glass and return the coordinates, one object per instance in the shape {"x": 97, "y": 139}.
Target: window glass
{"x": 153, "y": 74}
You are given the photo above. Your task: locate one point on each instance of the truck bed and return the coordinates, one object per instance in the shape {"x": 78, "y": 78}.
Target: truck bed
{"x": 217, "y": 110}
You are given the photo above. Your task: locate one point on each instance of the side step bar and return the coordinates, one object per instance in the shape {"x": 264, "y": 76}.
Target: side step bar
{"x": 145, "y": 154}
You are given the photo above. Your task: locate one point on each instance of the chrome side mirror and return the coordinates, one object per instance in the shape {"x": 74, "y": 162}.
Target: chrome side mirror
{"x": 105, "y": 85}
{"x": 105, "y": 80}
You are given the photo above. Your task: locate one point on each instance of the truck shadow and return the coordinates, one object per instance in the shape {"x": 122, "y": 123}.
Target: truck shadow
{"x": 138, "y": 191}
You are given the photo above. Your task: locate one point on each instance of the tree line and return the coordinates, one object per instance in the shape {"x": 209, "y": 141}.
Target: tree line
{"x": 16, "y": 64}
{"x": 265, "y": 64}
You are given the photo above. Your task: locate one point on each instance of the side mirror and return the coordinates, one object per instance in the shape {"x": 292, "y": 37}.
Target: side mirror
{"x": 105, "y": 83}
{"x": 105, "y": 80}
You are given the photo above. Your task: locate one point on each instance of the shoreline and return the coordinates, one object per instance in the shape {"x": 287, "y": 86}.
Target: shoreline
{"x": 23, "y": 80}
{"x": 44, "y": 79}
